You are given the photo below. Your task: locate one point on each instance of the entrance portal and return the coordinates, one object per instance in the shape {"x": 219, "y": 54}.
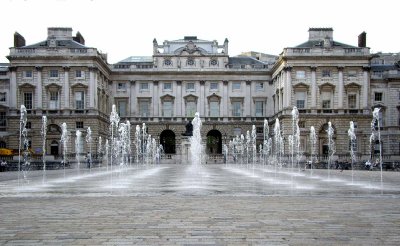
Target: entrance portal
{"x": 167, "y": 140}
{"x": 214, "y": 142}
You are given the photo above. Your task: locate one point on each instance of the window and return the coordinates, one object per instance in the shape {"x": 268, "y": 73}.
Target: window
{"x": 3, "y": 119}
{"x": 236, "y": 86}
{"x": 167, "y": 108}
{"x": 302, "y": 124}
{"x": 190, "y": 87}
{"x": 352, "y": 73}
{"x": 79, "y": 100}
{"x": 121, "y": 108}
{"x": 259, "y": 86}
{"x": 259, "y": 108}
{"x": 79, "y": 74}
{"x": 300, "y": 74}
{"x": 352, "y": 101}
{"x": 28, "y": 74}
{"x": 214, "y": 86}
{"x": 53, "y": 102}
{"x": 28, "y": 125}
{"x": 236, "y": 109}
{"x": 300, "y": 99}
{"x": 378, "y": 96}
{"x": 190, "y": 108}
{"x": 354, "y": 143}
{"x": 28, "y": 99}
{"x": 326, "y": 99}
{"x": 326, "y": 104}
{"x": 53, "y": 73}
{"x": 121, "y": 86}
{"x": 355, "y": 124}
{"x": 144, "y": 108}
{"x": 326, "y": 73}
{"x": 144, "y": 86}
{"x": 3, "y": 96}
{"x": 79, "y": 124}
{"x": 214, "y": 109}
{"x": 260, "y": 130}
{"x": 377, "y": 74}
{"x": 167, "y": 86}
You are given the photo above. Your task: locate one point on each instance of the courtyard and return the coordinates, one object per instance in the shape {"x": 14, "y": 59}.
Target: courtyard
{"x": 199, "y": 205}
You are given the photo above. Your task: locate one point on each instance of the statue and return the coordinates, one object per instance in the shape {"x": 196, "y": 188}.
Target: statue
{"x": 189, "y": 129}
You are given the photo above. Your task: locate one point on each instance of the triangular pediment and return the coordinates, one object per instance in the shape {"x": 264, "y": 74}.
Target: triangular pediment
{"x": 78, "y": 84}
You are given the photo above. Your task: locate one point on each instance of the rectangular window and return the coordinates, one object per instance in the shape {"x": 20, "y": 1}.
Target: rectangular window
{"x": 167, "y": 86}
{"x": 300, "y": 99}
{"x": 326, "y": 99}
{"x": 378, "y": 96}
{"x": 354, "y": 145}
{"x": 352, "y": 101}
{"x": 167, "y": 108}
{"x": 259, "y": 86}
{"x": 236, "y": 109}
{"x": 326, "y": 73}
{"x": 236, "y": 85}
{"x": 53, "y": 102}
{"x": 28, "y": 74}
{"x": 190, "y": 108}
{"x": 53, "y": 73}
{"x": 79, "y": 74}
{"x": 326, "y": 104}
{"x": 144, "y": 86}
{"x": 79, "y": 124}
{"x": 144, "y": 108}
{"x": 3, "y": 119}
{"x": 28, "y": 100}
{"x": 355, "y": 124}
{"x": 3, "y": 96}
{"x": 259, "y": 108}
{"x": 214, "y": 86}
{"x": 190, "y": 87}
{"x": 121, "y": 86}
{"x": 352, "y": 73}
{"x": 121, "y": 107}
{"x": 79, "y": 100}
{"x": 214, "y": 109}
{"x": 300, "y": 74}
{"x": 377, "y": 74}
{"x": 28, "y": 125}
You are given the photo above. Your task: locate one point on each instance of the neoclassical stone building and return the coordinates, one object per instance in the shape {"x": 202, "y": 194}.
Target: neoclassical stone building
{"x": 327, "y": 80}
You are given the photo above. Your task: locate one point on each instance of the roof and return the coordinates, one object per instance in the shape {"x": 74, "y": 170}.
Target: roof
{"x": 67, "y": 43}
{"x": 320, "y": 43}
{"x": 135, "y": 59}
{"x": 243, "y": 60}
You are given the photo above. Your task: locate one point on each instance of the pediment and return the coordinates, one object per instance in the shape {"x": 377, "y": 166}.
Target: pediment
{"x": 190, "y": 96}
{"x": 27, "y": 85}
{"x": 327, "y": 85}
{"x": 53, "y": 85}
{"x": 78, "y": 84}
{"x": 352, "y": 85}
{"x": 214, "y": 96}
{"x": 301, "y": 85}
{"x": 167, "y": 97}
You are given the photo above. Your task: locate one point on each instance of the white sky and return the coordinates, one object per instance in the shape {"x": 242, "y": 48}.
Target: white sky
{"x": 122, "y": 28}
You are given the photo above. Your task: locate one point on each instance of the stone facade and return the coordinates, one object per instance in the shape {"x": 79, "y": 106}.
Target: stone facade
{"x": 327, "y": 80}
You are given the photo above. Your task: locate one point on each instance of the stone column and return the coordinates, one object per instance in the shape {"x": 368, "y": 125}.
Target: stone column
{"x": 92, "y": 87}
{"x": 156, "y": 100}
{"x": 202, "y": 98}
{"x": 66, "y": 88}
{"x": 287, "y": 88}
{"x": 340, "y": 88}
{"x": 313, "y": 87}
{"x": 178, "y": 100}
{"x": 247, "y": 100}
{"x": 224, "y": 98}
{"x": 13, "y": 89}
{"x": 132, "y": 98}
{"x": 365, "y": 89}
{"x": 39, "y": 88}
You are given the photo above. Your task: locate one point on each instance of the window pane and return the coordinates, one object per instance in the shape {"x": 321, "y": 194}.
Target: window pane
{"x": 28, "y": 100}
{"x": 190, "y": 87}
{"x": 144, "y": 108}
{"x": 300, "y": 74}
{"x": 237, "y": 109}
{"x": 3, "y": 96}
{"x": 352, "y": 101}
{"x": 122, "y": 108}
{"x": 214, "y": 109}
{"x": 79, "y": 100}
{"x": 167, "y": 86}
{"x": 167, "y": 109}
{"x": 236, "y": 86}
{"x": 259, "y": 108}
{"x": 213, "y": 86}
{"x": 190, "y": 108}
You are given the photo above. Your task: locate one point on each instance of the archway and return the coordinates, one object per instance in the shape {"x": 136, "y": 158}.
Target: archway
{"x": 167, "y": 140}
{"x": 324, "y": 140}
{"x": 214, "y": 142}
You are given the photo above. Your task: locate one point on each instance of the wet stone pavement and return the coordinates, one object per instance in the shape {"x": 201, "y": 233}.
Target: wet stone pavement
{"x": 206, "y": 205}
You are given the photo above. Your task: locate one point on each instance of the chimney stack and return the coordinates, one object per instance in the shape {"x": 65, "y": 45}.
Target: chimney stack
{"x": 19, "y": 40}
{"x": 79, "y": 38}
{"x": 362, "y": 40}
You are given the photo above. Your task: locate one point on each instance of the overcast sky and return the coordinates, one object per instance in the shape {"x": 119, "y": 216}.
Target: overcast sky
{"x": 123, "y": 28}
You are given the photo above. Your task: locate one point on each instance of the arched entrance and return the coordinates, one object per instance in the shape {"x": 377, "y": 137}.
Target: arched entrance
{"x": 324, "y": 140}
{"x": 167, "y": 140}
{"x": 214, "y": 142}
{"x": 53, "y": 136}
